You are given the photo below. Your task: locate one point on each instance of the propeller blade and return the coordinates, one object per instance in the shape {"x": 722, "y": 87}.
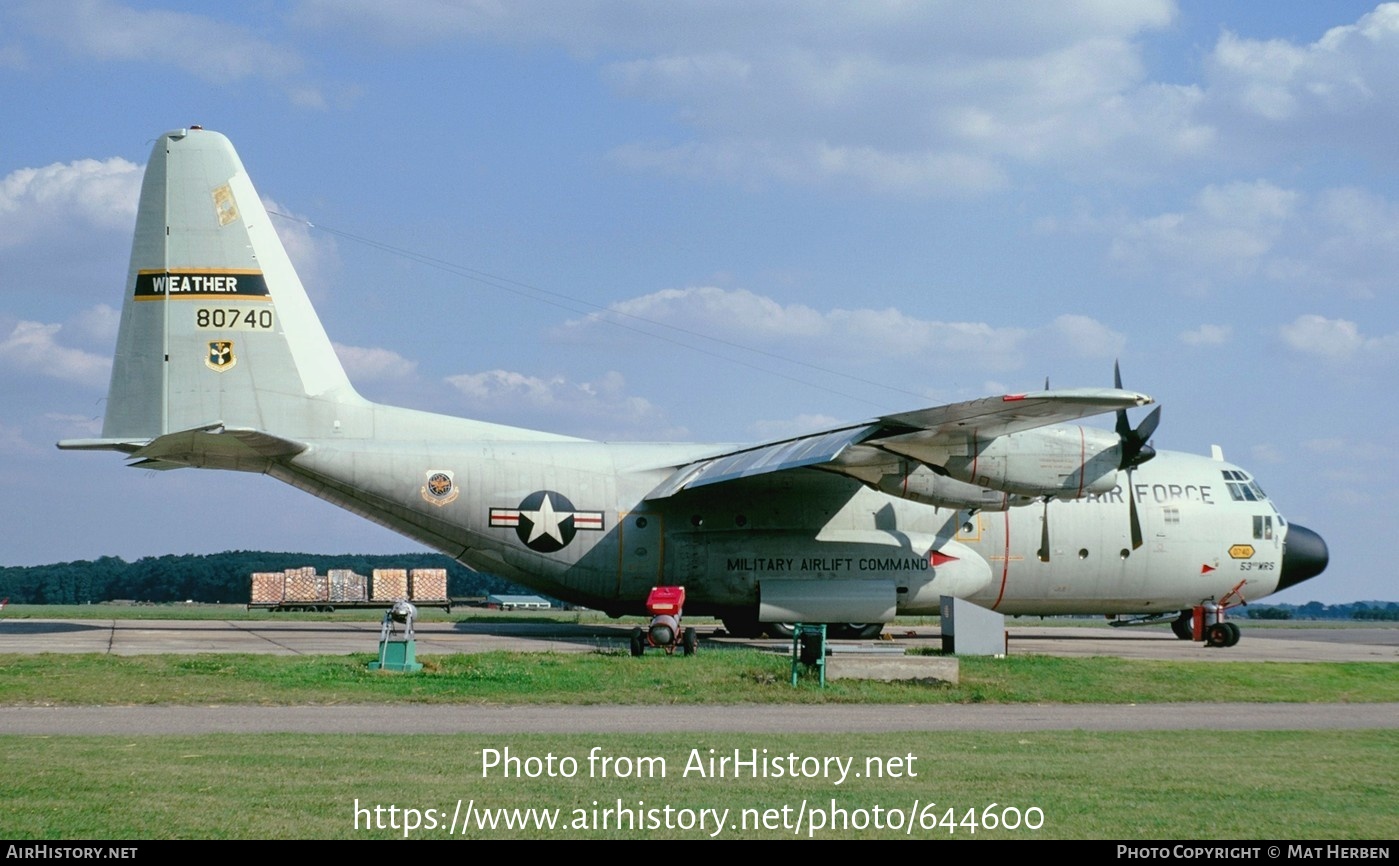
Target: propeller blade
{"x": 1136, "y": 450}
{"x": 1132, "y": 513}
{"x": 1135, "y": 447}
{"x": 1044, "y": 533}
{"x": 1148, "y": 425}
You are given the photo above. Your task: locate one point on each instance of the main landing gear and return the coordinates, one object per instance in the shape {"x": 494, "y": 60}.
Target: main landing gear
{"x": 745, "y": 626}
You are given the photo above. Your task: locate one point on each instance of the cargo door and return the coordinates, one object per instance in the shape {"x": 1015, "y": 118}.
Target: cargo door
{"x": 642, "y": 554}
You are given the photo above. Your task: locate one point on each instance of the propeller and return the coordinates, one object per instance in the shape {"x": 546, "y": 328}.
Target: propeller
{"x": 1136, "y": 450}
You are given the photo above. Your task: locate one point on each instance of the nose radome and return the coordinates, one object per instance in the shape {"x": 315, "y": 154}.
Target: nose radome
{"x": 1304, "y": 555}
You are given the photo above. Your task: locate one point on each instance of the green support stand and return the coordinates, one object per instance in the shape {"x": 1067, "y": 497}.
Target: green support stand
{"x": 397, "y": 655}
{"x": 809, "y": 648}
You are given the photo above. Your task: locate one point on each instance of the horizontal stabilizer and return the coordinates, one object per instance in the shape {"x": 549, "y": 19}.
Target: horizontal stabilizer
{"x": 128, "y": 446}
{"x": 217, "y": 447}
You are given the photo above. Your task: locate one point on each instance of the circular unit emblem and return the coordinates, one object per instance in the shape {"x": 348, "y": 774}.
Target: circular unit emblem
{"x": 439, "y": 484}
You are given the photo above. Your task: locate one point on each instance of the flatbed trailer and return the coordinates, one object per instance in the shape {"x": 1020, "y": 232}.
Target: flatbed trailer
{"x": 333, "y": 606}
{"x": 302, "y": 589}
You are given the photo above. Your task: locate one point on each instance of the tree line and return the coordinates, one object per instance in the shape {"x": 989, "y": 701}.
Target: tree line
{"x": 1356, "y": 610}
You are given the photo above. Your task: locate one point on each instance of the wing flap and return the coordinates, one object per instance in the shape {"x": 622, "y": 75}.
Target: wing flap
{"x": 812, "y": 450}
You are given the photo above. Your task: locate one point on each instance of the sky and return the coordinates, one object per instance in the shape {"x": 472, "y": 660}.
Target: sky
{"x": 724, "y": 221}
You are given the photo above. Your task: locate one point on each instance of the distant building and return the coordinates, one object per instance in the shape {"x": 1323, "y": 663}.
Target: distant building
{"x": 517, "y": 602}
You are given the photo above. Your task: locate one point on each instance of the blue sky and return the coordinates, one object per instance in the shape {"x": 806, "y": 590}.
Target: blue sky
{"x": 799, "y": 213}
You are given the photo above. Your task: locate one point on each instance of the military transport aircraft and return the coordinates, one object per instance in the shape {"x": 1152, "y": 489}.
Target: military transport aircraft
{"x": 221, "y": 363}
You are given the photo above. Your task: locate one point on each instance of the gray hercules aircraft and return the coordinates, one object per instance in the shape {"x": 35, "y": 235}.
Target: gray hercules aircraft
{"x": 221, "y": 363}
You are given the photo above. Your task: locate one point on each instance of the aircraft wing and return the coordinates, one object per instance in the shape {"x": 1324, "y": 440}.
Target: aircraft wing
{"x": 924, "y": 434}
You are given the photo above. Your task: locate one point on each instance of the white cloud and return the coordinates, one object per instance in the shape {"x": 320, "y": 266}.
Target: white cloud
{"x": 98, "y": 324}
{"x": 373, "y": 364}
{"x": 801, "y": 424}
{"x": 12, "y": 442}
{"x": 82, "y": 195}
{"x": 896, "y": 98}
{"x": 601, "y": 408}
{"x": 1367, "y": 451}
{"x": 910, "y": 173}
{"x": 890, "y": 97}
{"x": 1332, "y": 88}
{"x": 30, "y": 347}
{"x": 1226, "y": 234}
{"x": 316, "y": 257}
{"x": 1332, "y": 445}
{"x": 203, "y": 46}
{"x": 1082, "y": 337}
{"x": 1335, "y": 339}
{"x": 1207, "y": 335}
{"x": 1340, "y": 239}
{"x": 708, "y": 309}
{"x": 75, "y": 426}
{"x": 739, "y": 320}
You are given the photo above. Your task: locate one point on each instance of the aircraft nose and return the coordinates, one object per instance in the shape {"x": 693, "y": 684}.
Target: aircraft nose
{"x": 1304, "y": 555}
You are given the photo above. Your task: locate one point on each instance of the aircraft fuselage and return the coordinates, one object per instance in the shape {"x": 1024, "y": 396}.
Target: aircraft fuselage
{"x": 600, "y": 543}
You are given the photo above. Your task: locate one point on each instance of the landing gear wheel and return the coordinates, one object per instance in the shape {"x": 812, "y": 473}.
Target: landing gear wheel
{"x": 743, "y": 625}
{"x": 1234, "y": 633}
{"x": 857, "y": 630}
{"x": 638, "y": 642}
{"x": 1183, "y": 626}
{"x": 690, "y": 642}
{"x": 1218, "y": 635}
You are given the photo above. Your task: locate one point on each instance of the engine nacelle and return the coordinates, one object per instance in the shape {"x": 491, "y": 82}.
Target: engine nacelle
{"x": 1064, "y": 462}
{"x": 921, "y": 484}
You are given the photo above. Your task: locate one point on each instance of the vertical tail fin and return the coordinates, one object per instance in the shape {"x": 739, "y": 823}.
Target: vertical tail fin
{"x": 216, "y": 328}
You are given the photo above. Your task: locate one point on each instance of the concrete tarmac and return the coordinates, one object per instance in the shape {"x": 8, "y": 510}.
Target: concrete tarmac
{"x": 291, "y": 637}
{"x": 701, "y": 718}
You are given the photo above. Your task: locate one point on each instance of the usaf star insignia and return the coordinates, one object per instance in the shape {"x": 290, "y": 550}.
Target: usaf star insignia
{"x": 546, "y": 521}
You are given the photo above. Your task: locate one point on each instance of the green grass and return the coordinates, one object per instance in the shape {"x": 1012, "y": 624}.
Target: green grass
{"x": 1197, "y": 785}
{"x": 1193, "y": 785}
{"x": 713, "y": 676}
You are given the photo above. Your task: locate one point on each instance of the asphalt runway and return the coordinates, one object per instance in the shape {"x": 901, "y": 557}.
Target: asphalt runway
{"x": 135, "y": 637}
{"x": 291, "y": 637}
{"x": 692, "y": 718}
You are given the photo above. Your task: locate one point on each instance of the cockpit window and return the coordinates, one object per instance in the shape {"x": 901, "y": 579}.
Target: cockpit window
{"x": 1242, "y": 488}
{"x": 1263, "y": 527}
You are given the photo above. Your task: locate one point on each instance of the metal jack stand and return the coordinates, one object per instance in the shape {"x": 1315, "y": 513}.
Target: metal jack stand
{"x": 809, "y": 648}
{"x": 395, "y": 653}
